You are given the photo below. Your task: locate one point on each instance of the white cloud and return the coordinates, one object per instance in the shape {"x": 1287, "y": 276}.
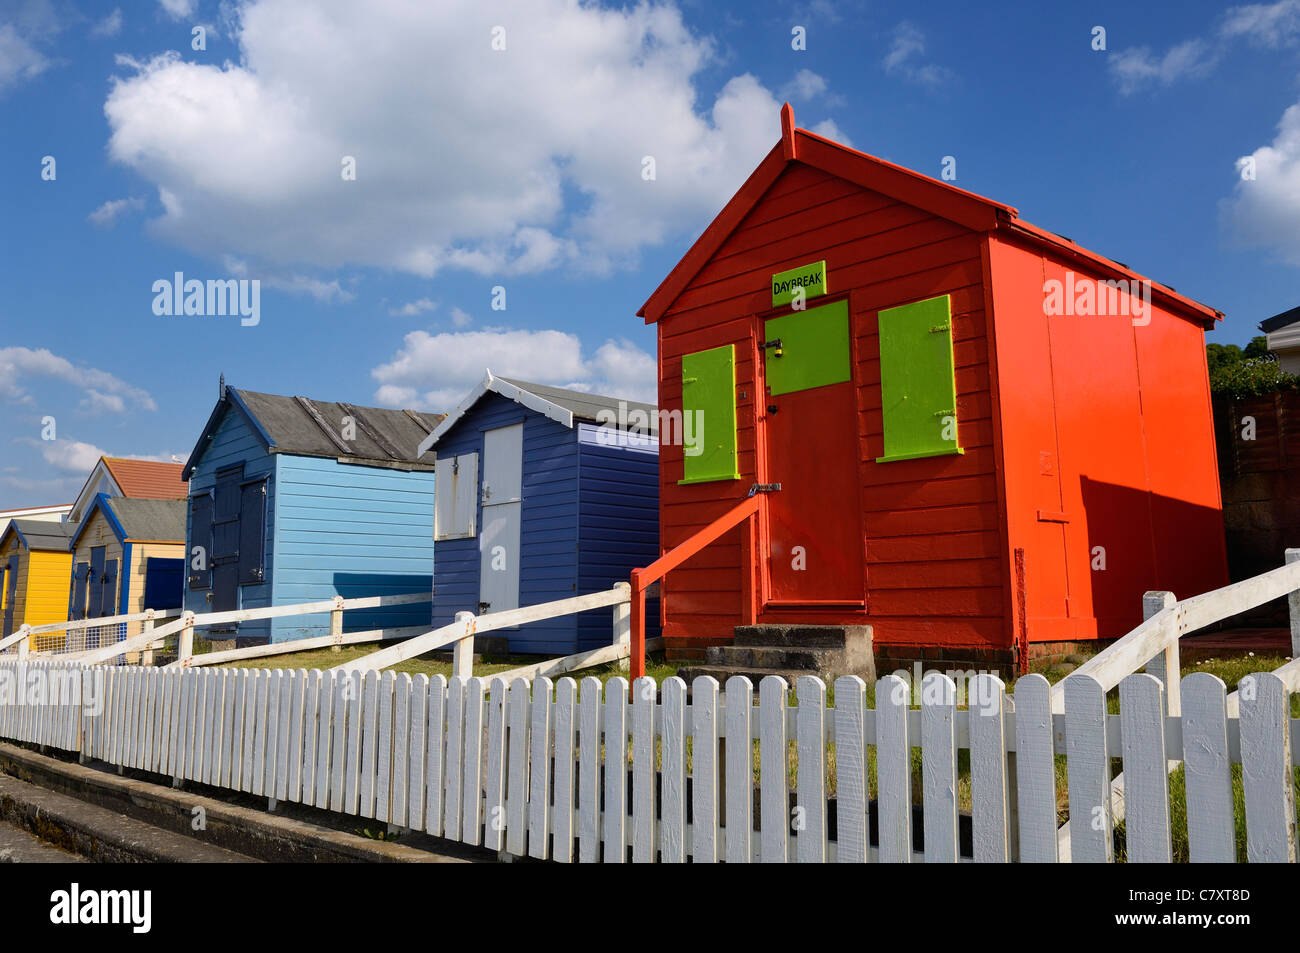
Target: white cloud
{"x": 1272, "y": 25}
{"x": 907, "y": 46}
{"x": 102, "y": 390}
{"x": 78, "y": 456}
{"x": 106, "y": 215}
{"x": 178, "y": 9}
{"x": 804, "y": 86}
{"x": 1134, "y": 68}
{"x": 1265, "y": 212}
{"x": 829, "y": 130}
{"x": 28, "y": 26}
{"x": 436, "y": 371}
{"x": 496, "y": 162}
{"x": 97, "y": 402}
{"x": 111, "y": 25}
{"x": 326, "y": 292}
{"x": 19, "y": 59}
{"x": 461, "y": 319}
{"x": 71, "y": 455}
{"x": 412, "y": 308}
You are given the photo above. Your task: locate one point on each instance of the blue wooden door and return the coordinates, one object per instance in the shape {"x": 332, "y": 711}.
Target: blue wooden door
{"x": 108, "y": 601}
{"x": 95, "y": 586}
{"x": 163, "y": 583}
{"x": 252, "y": 531}
{"x": 79, "y": 582}
{"x": 200, "y": 554}
{"x": 225, "y": 540}
{"x": 11, "y": 593}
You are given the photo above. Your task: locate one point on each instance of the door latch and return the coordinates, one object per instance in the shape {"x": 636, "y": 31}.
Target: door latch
{"x": 762, "y": 488}
{"x": 775, "y": 346}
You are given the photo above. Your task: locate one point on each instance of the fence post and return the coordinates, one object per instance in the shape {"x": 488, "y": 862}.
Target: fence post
{"x": 462, "y": 653}
{"x": 146, "y": 657}
{"x": 623, "y": 625}
{"x": 336, "y": 625}
{"x": 1293, "y": 602}
{"x": 637, "y": 623}
{"x": 1164, "y": 666}
{"x": 25, "y": 643}
{"x": 185, "y": 648}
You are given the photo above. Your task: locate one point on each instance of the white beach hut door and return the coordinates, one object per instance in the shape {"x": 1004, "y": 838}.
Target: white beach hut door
{"x": 501, "y": 493}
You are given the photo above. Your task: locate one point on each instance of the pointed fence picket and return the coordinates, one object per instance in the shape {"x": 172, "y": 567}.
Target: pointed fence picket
{"x": 666, "y": 773}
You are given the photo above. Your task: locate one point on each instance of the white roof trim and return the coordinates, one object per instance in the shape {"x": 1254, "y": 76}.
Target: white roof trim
{"x": 510, "y": 392}
{"x": 78, "y": 508}
{"x": 1285, "y": 338}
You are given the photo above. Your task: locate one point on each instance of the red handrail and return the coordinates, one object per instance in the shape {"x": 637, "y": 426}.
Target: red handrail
{"x": 642, "y": 579}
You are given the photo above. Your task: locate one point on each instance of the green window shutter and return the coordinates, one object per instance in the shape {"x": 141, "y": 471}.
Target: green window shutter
{"x": 709, "y": 415}
{"x": 918, "y": 388}
{"x": 814, "y": 349}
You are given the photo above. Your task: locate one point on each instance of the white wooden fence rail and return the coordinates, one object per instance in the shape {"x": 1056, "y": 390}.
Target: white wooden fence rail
{"x": 585, "y": 772}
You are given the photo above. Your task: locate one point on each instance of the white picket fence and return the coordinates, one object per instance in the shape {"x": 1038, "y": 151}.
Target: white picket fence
{"x": 587, "y": 772}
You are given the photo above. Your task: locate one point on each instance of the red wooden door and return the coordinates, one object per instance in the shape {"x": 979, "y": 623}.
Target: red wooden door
{"x": 814, "y": 543}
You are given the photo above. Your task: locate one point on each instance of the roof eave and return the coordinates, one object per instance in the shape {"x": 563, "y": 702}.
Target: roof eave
{"x": 1164, "y": 295}
{"x": 214, "y": 421}
{"x": 972, "y": 211}
{"x": 495, "y": 385}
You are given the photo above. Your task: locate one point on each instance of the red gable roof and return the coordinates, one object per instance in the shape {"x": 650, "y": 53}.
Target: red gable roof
{"x": 939, "y": 198}
{"x": 148, "y": 479}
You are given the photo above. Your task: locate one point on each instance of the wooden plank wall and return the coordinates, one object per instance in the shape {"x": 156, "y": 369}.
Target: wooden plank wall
{"x": 925, "y": 520}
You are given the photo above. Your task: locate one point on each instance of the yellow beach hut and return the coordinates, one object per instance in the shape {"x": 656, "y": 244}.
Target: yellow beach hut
{"x": 35, "y": 572}
{"x": 128, "y": 555}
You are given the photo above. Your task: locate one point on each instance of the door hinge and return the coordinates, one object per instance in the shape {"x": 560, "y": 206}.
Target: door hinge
{"x": 762, "y": 488}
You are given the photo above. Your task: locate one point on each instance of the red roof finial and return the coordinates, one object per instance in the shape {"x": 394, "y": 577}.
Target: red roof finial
{"x": 787, "y": 130}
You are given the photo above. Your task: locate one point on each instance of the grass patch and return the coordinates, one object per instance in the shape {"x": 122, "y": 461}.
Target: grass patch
{"x": 656, "y": 668}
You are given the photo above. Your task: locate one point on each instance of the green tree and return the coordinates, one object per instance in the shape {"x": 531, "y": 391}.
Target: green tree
{"x": 1251, "y": 372}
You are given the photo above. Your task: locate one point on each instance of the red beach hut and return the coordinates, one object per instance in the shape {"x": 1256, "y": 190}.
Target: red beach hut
{"x": 988, "y": 440}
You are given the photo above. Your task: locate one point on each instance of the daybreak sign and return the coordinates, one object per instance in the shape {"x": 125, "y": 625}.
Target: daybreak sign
{"x": 811, "y": 278}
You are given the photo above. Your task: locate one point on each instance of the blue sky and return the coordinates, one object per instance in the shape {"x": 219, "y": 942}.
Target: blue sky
{"x": 521, "y": 168}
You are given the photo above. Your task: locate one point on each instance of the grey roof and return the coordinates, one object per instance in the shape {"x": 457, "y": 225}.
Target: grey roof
{"x": 582, "y": 405}
{"x": 154, "y": 520}
{"x": 1280, "y": 320}
{"x": 43, "y": 534}
{"x": 382, "y": 435}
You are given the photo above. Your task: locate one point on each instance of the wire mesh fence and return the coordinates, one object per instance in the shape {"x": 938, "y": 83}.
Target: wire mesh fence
{"x": 71, "y": 641}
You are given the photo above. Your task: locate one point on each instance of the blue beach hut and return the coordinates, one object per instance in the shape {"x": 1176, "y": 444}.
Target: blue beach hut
{"x": 293, "y": 500}
{"x": 543, "y": 493}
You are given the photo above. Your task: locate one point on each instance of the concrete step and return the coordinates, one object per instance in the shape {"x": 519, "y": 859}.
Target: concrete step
{"x": 18, "y": 846}
{"x": 774, "y": 657}
{"x": 755, "y": 675}
{"x": 239, "y": 825}
{"x": 804, "y": 636}
{"x": 99, "y": 834}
